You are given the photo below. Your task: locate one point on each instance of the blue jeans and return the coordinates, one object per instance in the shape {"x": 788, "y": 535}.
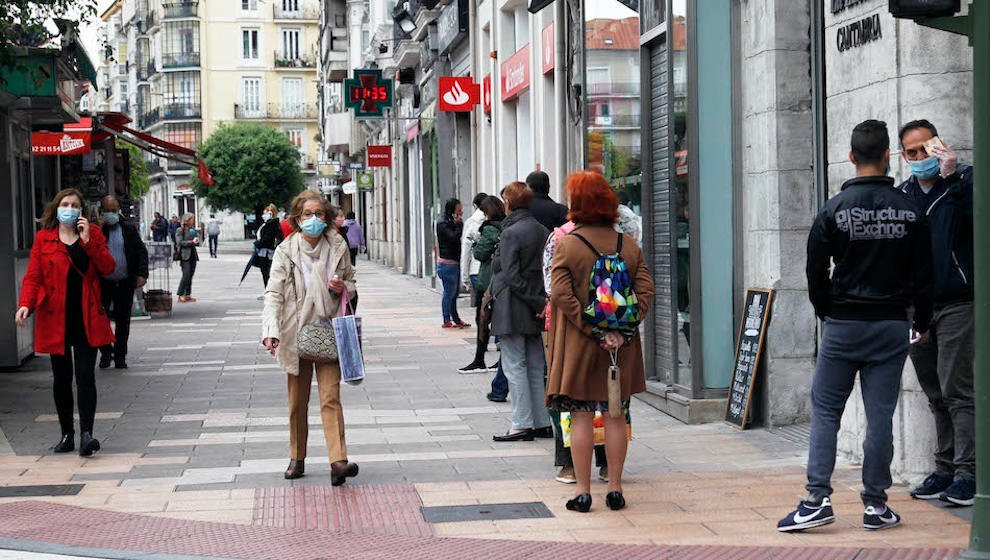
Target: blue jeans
{"x": 877, "y": 350}
{"x": 450, "y": 278}
{"x": 524, "y": 362}
{"x": 500, "y": 385}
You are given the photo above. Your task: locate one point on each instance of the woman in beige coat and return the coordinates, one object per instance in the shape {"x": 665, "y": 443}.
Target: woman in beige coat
{"x": 311, "y": 271}
{"x": 579, "y": 354}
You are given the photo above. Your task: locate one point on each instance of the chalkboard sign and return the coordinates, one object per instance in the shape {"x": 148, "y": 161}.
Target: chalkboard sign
{"x": 749, "y": 347}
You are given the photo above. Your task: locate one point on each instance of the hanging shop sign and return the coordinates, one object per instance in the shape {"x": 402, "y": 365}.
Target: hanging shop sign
{"x": 368, "y": 93}
{"x": 380, "y": 156}
{"x": 548, "y": 49}
{"x": 515, "y": 74}
{"x": 60, "y": 143}
{"x": 486, "y": 89}
{"x": 859, "y": 33}
{"x": 458, "y": 93}
{"x": 365, "y": 181}
{"x": 349, "y": 187}
{"x": 452, "y": 24}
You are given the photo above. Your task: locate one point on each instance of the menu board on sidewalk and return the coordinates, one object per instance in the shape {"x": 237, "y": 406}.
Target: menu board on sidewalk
{"x": 749, "y": 347}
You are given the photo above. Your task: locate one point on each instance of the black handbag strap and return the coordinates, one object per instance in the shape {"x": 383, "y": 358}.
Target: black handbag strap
{"x": 618, "y": 249}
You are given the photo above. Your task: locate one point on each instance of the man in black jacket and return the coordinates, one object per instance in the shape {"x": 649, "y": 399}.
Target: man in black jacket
{"x": 943, "y": 190}
{"x": 881, "y": 250}
{"x": 543, "y": 208}
{"x": 118, "y": 287}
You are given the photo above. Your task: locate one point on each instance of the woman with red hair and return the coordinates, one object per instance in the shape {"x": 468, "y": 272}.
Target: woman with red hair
{"x": 578, "y": 350}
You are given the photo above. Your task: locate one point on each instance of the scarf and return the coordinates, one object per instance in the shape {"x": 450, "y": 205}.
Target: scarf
{"x": 315, "y": 261}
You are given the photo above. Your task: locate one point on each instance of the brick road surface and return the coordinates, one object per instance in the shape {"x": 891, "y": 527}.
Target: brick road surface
{"x": 195, "y": 440}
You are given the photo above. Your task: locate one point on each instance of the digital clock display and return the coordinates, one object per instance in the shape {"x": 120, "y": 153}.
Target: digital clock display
{"x": 368, "y": 93}
{"x": 375, "y": 93}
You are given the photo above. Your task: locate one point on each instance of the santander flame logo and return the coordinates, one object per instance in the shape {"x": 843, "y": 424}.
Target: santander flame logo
{"x": 456, "y": 95}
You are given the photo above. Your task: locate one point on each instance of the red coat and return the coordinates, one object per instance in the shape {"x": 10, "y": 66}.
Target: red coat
{"x": 43, "y": 290}
{"x": 286, "y": 227}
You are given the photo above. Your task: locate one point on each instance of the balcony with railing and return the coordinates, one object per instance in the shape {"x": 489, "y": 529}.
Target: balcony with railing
{"x": 145, "y": 70}
{"x": 150, "y": 21}
{"x": 287, "y": 60}
{"x": 276, "y": 111}
{"x": 295, "y": 10}
{"x": 181, "y": 110}
{"x": 146, "y": 120}
{"x": 175, "y": 10}
{"x": 613, "y": 89}
{"x": 614, "y": 121}
{"x": 180, "y": 60}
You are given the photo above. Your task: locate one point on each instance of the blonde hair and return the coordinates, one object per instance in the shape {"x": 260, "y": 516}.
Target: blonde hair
{"x": 296, "y": 207}
{"x": 273, "y": 209}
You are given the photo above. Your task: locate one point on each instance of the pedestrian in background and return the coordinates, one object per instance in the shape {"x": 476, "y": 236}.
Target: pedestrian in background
{"x": 130, "y": 273}
{"x": 269, "y": 236}
{"x": 159, "y": 228}
{"x": 186, "y": 241}
{"x": 311, "y": 273}
{"x": 580, "y": 353}
{"x": 881, "y": 249}
{"x": 355, "y": 236}
{"x": 173, "y": 226}
{"x": 61, "y": 287}
{"x": 469, "y": 265}
{"x": 213, "y": 234}
{"x": 518, "y": 299}
{"x": 483, "y": 249}
{"x": 544, "y": 209}
{"x": 943, "y": 190}
{"x": 449, "y": 230}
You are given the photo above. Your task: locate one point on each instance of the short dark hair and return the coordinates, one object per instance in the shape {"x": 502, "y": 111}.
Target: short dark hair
{"x": 350, "y": 216}
{"x": 539, "y": 182}
{"x": 869, "y": 141}
{"x": 493, "y": 208}
{"x": 478, "y": 199}
{"x": 920, "y": 123}
{"x": 450, "y": 207}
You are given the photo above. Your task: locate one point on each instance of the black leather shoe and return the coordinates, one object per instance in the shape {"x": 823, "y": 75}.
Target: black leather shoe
{"x": 544, "y": 432}
{"x": 340, "y": 471}
{"x": 296, "y": 469}
{"x": 88, "y": 445}
{"x": 525, "y": 435}
{"x": 66, "y": 444}
{"x": 120, "y": 364}
{"x": 494, "y": 398}
{"x": 581, "y": 504}
{"x": 615, "y": 500}
{"x": 105, "y": 360}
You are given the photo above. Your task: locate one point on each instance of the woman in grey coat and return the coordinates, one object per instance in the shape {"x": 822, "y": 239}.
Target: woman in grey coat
{"x": 517, "y": 314}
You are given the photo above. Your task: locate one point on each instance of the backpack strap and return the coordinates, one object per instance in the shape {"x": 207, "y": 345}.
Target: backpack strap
{"x": 618, "y": 250}
{"x": 586, "y": 242}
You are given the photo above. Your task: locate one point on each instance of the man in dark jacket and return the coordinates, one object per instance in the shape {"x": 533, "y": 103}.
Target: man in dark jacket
{"x": 543, "y": 208}
{"x": 880, "y": 245}
{"x": 943, "y": 190}
{"x": 131, "y": 272}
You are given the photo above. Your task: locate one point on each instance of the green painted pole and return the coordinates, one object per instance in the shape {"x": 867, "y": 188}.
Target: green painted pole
{"x": 979, "y": 13}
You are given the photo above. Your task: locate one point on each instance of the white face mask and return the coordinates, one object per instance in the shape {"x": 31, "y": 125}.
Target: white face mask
{"x": 266, "y": 216}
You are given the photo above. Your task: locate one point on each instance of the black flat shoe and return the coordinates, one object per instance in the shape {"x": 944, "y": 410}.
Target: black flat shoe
{"x": 526, "y": 435}
{"x": 340, "y": 471}
{"x": 66, "y": 444}
{"x": 545, "y": 432}
{"x": 494, "y": 398}
{"x": 88, "y": 445}
{"x": 581, "y": 504}
{"x": 296, "y": 469}
{"x": 120, "y": 364}
{"x": 105, "y": 360}
{"x": 615, "y": 501}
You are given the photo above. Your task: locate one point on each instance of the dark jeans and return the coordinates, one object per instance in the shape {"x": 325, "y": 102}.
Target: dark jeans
{"x": 500, "y": 385}
{"x": 118, "y": 298}
{"x": 944, "y": 364}
{"x": 354, "y": 254}
{"x": 214, "y": 241}
{"x": 877, "y": 350}
{"x": 450, "y": 278}
{"x": 188, "y": 270}
{"x": 265, "y": 265}
{"x": 79, "y": 360}
{"x": 481, "y": 320}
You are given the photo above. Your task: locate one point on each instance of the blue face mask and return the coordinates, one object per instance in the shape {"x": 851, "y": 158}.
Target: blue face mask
{"x": 111, "y": 218}
{"x": 925, "y": 169}
{"x": 313, "y": 226}
{"x": 68, "y": 215}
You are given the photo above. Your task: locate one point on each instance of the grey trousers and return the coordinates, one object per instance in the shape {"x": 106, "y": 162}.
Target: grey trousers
{"x": 877, "y": 350}
{"x": 523, "y": 362}
{"x": 944, "y": 364}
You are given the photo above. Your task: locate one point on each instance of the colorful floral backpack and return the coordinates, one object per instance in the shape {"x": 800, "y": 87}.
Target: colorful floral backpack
{"x": 612, "y": 303}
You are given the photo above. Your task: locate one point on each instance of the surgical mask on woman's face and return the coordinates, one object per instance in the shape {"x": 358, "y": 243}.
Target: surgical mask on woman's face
{"x": 111, "y": 218}
{"x": 68, "y": 215}
{"x": 313, "y": 226}
{"x": 925, "y": 169}
{"x": 266, "y": 216}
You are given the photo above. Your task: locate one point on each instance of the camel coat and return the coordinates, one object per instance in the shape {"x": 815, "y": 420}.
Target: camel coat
{"x": 286, "y": 290}
{"x": 577, "y": 364}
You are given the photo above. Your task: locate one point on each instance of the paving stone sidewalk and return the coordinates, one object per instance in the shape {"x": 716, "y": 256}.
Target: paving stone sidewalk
{"x": 196, "y": 430}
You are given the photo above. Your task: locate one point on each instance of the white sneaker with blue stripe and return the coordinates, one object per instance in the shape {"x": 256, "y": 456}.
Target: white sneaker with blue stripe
{"x": 880, "y": 517}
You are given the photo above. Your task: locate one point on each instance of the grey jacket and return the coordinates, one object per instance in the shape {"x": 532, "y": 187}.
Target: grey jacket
{"x": 184, "y": 243}
{"x": 517, "y": 284}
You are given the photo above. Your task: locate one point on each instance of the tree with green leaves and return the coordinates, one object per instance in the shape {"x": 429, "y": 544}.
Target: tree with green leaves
{"x": 252, "y": 164}
{"x": 32, "y": 23}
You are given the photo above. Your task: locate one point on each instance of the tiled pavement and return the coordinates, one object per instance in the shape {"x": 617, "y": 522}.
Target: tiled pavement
{"x": 196, "y": 430}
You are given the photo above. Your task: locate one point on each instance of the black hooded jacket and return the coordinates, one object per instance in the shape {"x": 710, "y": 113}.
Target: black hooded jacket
{"x": 881, "y": 248}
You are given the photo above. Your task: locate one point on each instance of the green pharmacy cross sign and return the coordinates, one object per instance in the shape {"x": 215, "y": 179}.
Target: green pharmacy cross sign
{"x": 368, "y": 93}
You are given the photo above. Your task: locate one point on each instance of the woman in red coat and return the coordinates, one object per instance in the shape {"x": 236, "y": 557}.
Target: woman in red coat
{"x": 62, "y": 289}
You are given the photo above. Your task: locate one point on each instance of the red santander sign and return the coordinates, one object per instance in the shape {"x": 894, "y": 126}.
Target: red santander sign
{"x": 487, "y": 93}
{"x": 458, "y": 94}
{"x": 515, "y": 74}
{"x": 547, "y": 54}
{"x": 379, "y": 156}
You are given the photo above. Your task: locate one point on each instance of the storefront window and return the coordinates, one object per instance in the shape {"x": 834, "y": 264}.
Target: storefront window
{"x": 681, "y": 191}
{"x": 612, "y": 112}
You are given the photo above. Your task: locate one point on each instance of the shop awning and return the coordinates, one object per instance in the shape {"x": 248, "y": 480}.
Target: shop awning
{"x": 116, "y": 124}
{"x": 76, "y": 139}
{"x": 537, "y": 5}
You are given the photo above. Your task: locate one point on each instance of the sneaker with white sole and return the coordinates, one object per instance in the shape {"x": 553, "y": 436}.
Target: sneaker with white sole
{"x": 809, "y": 514}
{"x": 960, "y": 493}
{"x": 566, "y": 476}
{"x": 932, "y": 487}
{"x": 880, "y": 517}
{"x": 474, "y": 367}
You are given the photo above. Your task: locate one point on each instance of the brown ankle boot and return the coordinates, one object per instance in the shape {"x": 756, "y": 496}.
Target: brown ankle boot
{"x": 296, "y": 469}
{"x": 340, "y": 471}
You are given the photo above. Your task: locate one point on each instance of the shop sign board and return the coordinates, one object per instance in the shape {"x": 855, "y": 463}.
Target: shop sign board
{"x": 515, "y": 74}
{"x": 749, "y": 347}
{"x": 858, "y": 33}
{"x": 452, "y": 24}
{"x": 458, "y": 93}
{"x": 69, "y": 143}
{"x": 487, "y": 93}
{"x": 365, "y": 181}
{"x": 548, "y": 49}
{"x": 380, "y": 156}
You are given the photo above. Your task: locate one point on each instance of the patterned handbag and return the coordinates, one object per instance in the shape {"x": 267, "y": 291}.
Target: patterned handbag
{"x": 317, "y": 342}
